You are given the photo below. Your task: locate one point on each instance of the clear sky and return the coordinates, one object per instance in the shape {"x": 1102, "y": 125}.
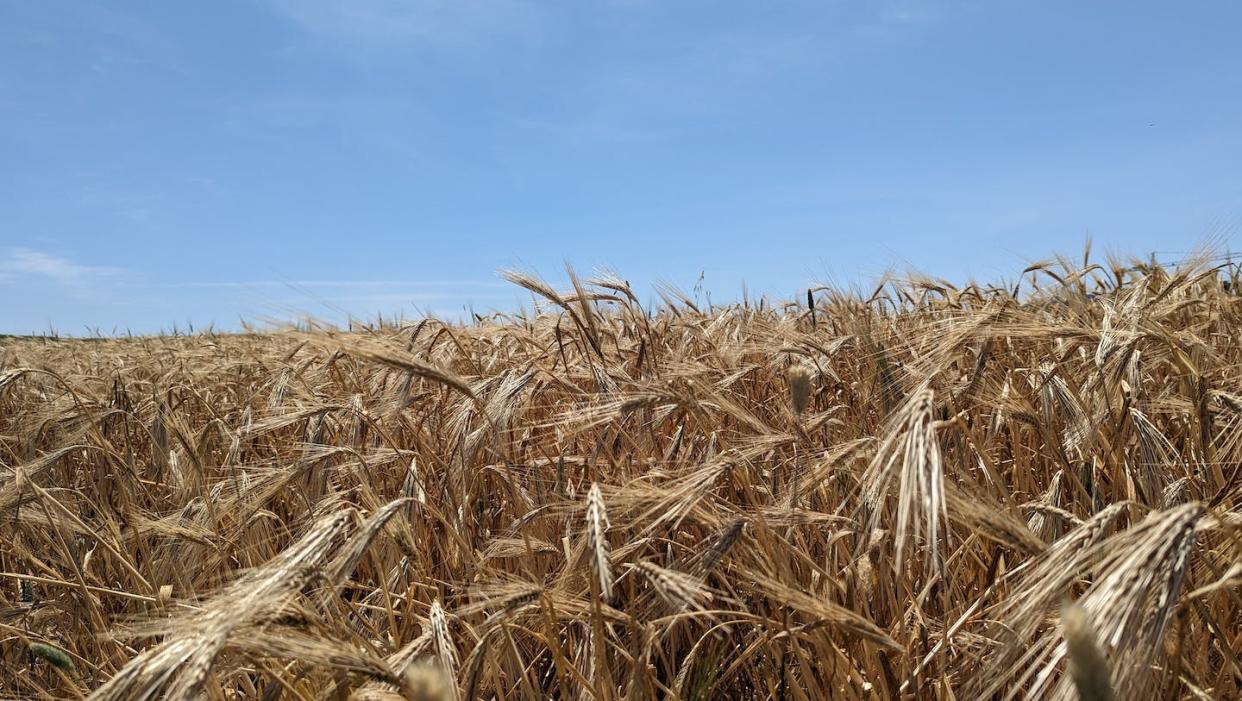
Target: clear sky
{"x": 170, "y": 162}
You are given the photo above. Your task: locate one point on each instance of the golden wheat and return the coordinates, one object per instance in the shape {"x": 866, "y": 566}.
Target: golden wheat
{"x": 875, "y": 496}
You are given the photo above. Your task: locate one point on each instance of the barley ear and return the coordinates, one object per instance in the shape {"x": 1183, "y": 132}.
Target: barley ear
{"x": 1087, "y": 665}
{"x": 423, "y": 681}
{"x": 446, "y": 652}
{"x": 799, "y": 378}
{"x": 597, "y": 544}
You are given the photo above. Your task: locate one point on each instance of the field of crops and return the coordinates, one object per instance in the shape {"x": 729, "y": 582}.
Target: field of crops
{"x": 930, "y": 491}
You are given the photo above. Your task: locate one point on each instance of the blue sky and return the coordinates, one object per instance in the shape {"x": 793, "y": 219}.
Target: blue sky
{"x": 173, "y": 162}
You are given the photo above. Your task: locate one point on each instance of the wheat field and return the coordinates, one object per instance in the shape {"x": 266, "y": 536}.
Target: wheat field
{"x": 1028, "y": 490}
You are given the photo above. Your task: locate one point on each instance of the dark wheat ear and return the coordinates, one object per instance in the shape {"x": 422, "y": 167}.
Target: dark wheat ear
{"x": 54, "y": 656}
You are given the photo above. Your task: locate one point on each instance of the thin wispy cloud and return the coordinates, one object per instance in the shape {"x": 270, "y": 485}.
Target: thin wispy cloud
{"x": 726, "y": 71}
{"x": 400, "y": 22}
{"x": 389, "y": 298}
{"x": 391, "y": 123}
{"x": 342, "y": 283}
{"x": 24, "y": 263}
